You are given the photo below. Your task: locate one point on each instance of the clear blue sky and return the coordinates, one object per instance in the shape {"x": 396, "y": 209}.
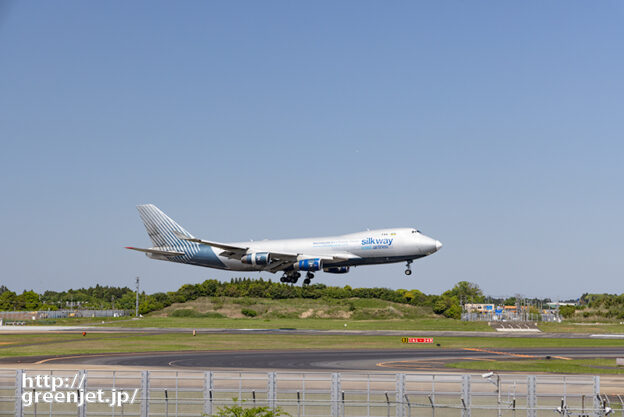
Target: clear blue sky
{"x": 496, "y": 127}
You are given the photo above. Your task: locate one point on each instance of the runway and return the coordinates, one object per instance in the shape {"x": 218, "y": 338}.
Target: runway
{"x": 320, "y": 360}
{"x": 292, "y": 331}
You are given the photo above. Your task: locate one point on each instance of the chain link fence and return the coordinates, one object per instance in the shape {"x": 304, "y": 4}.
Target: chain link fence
{"x": 189, "y": 393}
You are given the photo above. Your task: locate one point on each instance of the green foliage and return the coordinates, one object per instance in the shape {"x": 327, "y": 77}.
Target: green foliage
{"x": 189, "y": 312}
{"x": 8, "y": 300}
{"x": 247, "y": 291}
{"x": 240, "y": 411}
{"x": 184, "y": 312}
{"x": 469, "y": 292}
{"x": 567, "y": 311}
{"x": 453, "y": 312}
{"x": 249, "y": 312}
{"x": 610, "y": 306}
{"x": 245, "y": 301}
{"x": 511, "y": 301}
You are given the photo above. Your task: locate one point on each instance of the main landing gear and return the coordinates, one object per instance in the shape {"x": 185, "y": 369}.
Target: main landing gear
{"x": 408, "y": 271}
{"x": 292, "y": 277}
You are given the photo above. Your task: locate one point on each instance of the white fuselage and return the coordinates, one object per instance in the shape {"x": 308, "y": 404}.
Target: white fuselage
{"x": 369, "y": 247}
{"x": 333, "y": 254}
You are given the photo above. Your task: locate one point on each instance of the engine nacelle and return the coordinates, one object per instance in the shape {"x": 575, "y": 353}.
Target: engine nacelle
{"x": 260, "y": 258}
{"x": 311, "y": 265}
{"x": 336, "y": 269}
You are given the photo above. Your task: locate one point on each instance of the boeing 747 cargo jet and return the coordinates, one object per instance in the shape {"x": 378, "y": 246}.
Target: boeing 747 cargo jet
{"x": 333, "y": 254}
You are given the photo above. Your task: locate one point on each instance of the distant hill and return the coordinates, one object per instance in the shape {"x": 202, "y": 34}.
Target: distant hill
{"x": 349, "y": 308}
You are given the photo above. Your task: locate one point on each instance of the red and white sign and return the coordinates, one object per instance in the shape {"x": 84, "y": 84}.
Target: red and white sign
{"x": 420, "y": 340}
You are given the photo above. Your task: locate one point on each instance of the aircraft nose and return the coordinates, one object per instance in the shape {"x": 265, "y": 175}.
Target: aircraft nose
{"x": 438, "y": 245}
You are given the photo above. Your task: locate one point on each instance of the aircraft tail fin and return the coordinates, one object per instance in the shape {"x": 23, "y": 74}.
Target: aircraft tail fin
{"x": 160, "y": 227}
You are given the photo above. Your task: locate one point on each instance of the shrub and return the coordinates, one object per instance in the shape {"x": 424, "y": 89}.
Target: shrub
{"x": 189, "y": 312}
{"x": 184, "y": 312}
{"x": 217, "y": 303}
{"x": 213, "y": 315}
{"x": 249, "y": 312}
{"x": 245, "y": 301}
{"x": 240, "y": 411}
{"x": 567, "y": 311}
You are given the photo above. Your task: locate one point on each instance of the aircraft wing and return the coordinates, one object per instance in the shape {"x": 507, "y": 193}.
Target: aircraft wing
{"x": 210, "y": 243}
{"x": 234, "y": 252}
{"x": 279, "y": 260}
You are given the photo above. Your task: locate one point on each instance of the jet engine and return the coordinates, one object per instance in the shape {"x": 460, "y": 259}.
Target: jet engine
{"x": 310, "y": 265}
{"x": 336, "y": 269}
{"x": 260, "y": 258}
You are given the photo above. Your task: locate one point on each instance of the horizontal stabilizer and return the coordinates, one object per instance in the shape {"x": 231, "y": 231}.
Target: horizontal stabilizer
{"x": 158, "y": 251}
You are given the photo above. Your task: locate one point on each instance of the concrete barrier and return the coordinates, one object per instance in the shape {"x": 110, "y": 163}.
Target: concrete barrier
{"x": 619, "y": 361}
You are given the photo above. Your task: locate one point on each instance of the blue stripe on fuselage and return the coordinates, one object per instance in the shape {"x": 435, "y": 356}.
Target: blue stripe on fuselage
{"x": 205, "y": 256}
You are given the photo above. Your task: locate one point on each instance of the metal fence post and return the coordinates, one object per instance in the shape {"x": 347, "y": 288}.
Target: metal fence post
{"x": 335, "y": 395}
{"x": 400, "y": 394}
{"x": 271, "y": 391}
{"x": 466, "y": 397}
{"x": 82, "y": 376}
{"x": 531, "y": 397}
{"x": 145, "y": 392}
{"x": 19, "y": 409}
{"x": 208, "y": 390}
{"x": 597, "y": 402}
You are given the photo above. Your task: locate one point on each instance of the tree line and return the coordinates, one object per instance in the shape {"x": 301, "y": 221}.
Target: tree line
{"x": 105, "y": 297}
{"x": 447, "y": 304}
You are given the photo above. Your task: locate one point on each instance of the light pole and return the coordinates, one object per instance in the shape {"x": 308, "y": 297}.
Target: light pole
{"x": 136, "y": 304}
{"x": 488, "y": 377}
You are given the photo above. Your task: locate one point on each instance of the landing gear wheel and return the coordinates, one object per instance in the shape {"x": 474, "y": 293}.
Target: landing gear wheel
{"x": 310, "y": 275}
{"x": 408, "y": 272}
{"x": 283, "y": 279}
{"x": 306, "y": 281}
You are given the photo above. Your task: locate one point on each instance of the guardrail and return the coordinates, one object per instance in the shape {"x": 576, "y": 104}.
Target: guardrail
{"x": 194, "y": 393}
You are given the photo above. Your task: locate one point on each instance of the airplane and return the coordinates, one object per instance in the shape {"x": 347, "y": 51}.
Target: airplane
{"x": 332, "y": 254}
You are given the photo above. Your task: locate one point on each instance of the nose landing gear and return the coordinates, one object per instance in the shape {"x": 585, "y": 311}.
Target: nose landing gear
{"x": 408, "y": 270}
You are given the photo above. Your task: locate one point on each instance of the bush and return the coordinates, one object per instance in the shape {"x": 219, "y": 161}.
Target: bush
{"x": 239, "y": 411}
{"x": 189, "y": 312}
{"x": 249, "y": 312}
{"x": 217, "y": 303}
{"x": 184, "y": 312}
{"x": 245, "y": 301}
{"x": 213, "y": 315}
{"x": 567, "y": 311}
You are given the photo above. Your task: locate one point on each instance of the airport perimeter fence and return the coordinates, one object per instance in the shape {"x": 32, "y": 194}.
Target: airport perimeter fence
{"x": 28, "y": 316}
{"x": 312, "y": 394}
{"x": 510, "y": 317}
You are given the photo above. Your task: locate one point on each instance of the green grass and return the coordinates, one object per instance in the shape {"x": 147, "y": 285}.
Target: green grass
{"x": 309, "y": 323}
{"x": 568, "y": 327}
{"x": 74, "y": 343}
{"x": 560, "y": 366}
